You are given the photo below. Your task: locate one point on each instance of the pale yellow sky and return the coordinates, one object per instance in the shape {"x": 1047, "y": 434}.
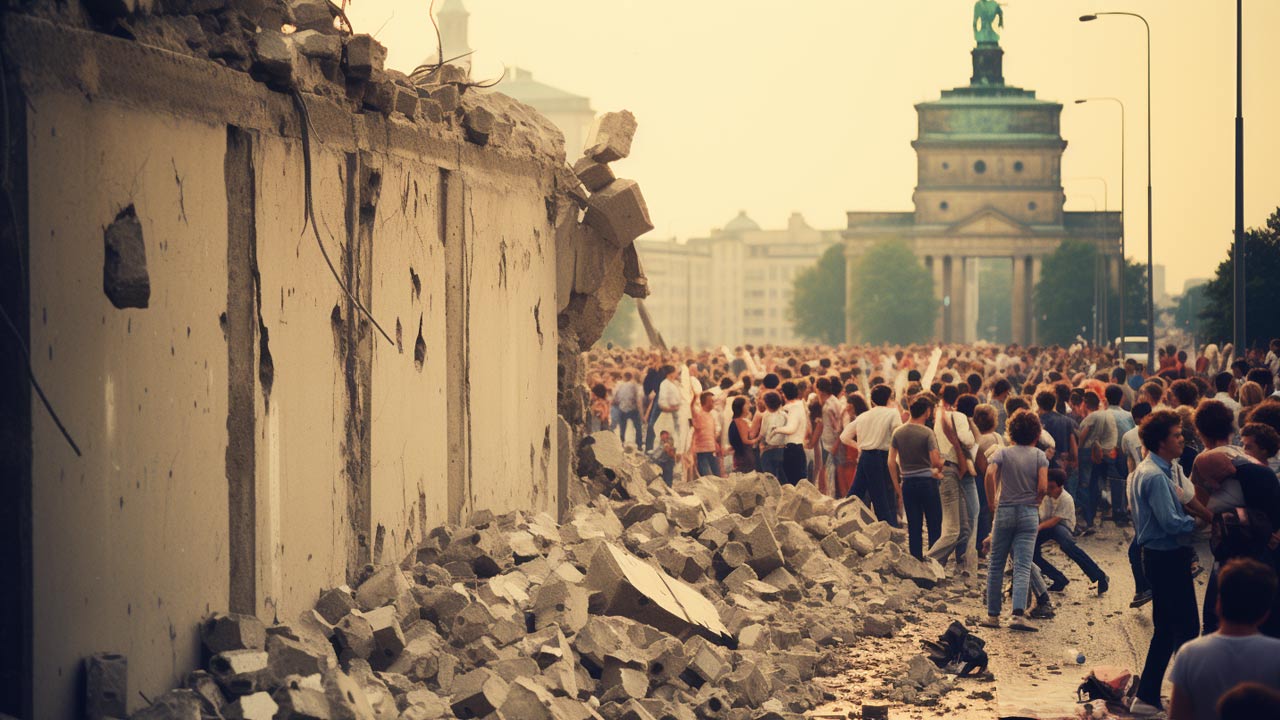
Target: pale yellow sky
{"x": 807, "y": 106}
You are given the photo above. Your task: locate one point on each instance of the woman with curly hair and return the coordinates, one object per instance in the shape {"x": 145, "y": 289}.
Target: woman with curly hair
{"x": 1016, "y": 481}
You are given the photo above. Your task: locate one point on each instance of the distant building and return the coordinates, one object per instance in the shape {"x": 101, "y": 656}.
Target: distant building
{"x": 1160, "y": 287}
{"x": 571, "y": 113}
{"x": 733, "y": 286}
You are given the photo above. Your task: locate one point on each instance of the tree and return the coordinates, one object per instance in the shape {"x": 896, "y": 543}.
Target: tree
{"x": 893, "y": 295}
{"x": 622, "y": 326}
{"x": 1262, "y": 291}
{"x": 817, "y": 300}
{"x": 1065, "y": 296}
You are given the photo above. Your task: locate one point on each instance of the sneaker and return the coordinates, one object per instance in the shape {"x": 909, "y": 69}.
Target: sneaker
{"x": 1140, "y": 599}
{"x": 1020, "y": 622}
{"x": 1089, "y": 530}
{"x": 1103, "y": 585}
{"x": 991, "y": 621}
{"x": 1143, "y": 709}
{"x": 1059, "y": 585}
{"x": 1043, "y": 612}
{"x": 1196, "y": 569}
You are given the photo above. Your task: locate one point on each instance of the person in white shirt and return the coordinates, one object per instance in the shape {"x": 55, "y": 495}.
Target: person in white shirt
{"x": 669, "y": 398}
{"x": 830, "y": 392}
{"x": 1225, "y": 384}
{"x": 1057, "y": 520}
{"x": 951, "y": 425}
{"x": 791, "y": 434}
{"x": 871, "y": 432}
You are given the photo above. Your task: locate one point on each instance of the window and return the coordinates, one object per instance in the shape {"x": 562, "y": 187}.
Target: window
{"x": 1017, "y": 166}
{"x": 946, "y": 165}
{"x": 980, "y": 167}
{"x": 1031, "y": 205}
{"x": 943, "y": 205}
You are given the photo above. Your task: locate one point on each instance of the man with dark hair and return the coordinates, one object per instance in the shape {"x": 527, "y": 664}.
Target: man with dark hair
{"x": 1208, "y": 667}
{"x": 652, "y": 384}
{"x": 1118, "y": 468}
{"x": 916, "y": 466}
{"x": 1060, "y": 428}
{"x": 999, "y": 395}
{"x": 1224, "y": 384}
{"x": 1249, "y": 701}
{"x": 1128, "y": 395}
{"x": 791, "y": 434}
{"x": 1057, "y": 520}
{"x": 872, "y": 432}
{"x": 1162, "y": 528}
{"x": 1263, "y": 377}
{"x": 1131, "y": 448}
{"x": 1153, "y": 393}
{"x": 1183, "y": 392}
{"x": 1098, "y": 440}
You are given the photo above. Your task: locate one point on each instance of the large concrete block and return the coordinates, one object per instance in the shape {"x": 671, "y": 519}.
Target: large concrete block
{"x": 221, "y": 633}
{"x": 314, "y": 16}
{"x": 478, "y": 693}
{"x": 388, "y": 639}
{"x": 619, "y": 212}
{"x": 622, "y": 584}
{"x": 106, "y": 688}
{"x": 174, "y": 705}
{"x": 334, "y": 604}
{"x": 365, "y": 57}
{"x": 258, "y": 706}
{"x": 353, "y": 637}
{"x": 594, "y": 175}
{"x": 610, "y": 137}
{"x": 526, "y": 698}
{"x": 241, "y": 672}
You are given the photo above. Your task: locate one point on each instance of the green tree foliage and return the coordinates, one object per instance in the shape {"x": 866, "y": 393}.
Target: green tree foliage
{"x": 817, "y": 300}
{"x": 893, "y": 295}
{"x": 1262, "y": 291}
{"x": 1065, "y": 295}
{"x": 621, "y": 329}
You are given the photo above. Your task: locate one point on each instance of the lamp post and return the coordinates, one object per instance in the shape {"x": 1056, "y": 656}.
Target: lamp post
{"x": 1151, "y": 288}
{"x": 1238, "y": 256}
{"x": 1123, "y": 262}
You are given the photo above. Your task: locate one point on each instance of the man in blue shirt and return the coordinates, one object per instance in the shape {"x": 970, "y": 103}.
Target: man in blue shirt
{"x": 1162, "y": 528}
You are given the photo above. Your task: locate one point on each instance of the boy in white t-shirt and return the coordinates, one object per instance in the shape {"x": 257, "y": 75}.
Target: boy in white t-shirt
{"x": 1057, "y": 520}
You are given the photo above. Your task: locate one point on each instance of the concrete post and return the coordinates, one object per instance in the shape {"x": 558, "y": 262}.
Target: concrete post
{"x": 850, "y": 265}
{"x": 935, "y": 263}
{"x": 958, "y": 292}
{"x": 1019, "y": 299}
{"x": 1036, "y": 262}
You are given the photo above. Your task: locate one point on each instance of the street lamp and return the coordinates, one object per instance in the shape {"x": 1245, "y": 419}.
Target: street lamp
{"x": 1123, "y": 262}
{"x": 1151, "y": 286}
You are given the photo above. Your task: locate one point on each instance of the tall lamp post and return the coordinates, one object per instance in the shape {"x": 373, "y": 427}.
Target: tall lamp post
{"x": 1151, "y": 288}
{"x": 1238, "y": 263}
{"x": 1124, "y": 264}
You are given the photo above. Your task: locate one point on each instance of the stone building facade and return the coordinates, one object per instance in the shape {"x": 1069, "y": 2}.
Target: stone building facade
{"x": 733, "y": 286}
{"x": 989, "y": 186}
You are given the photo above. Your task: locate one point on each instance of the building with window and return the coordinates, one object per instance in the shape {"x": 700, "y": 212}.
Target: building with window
{"x": 733, "y": 286}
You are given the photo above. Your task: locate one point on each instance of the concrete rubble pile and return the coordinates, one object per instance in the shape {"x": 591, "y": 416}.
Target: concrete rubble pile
{"x": 716, "y": 598}
{"x": 305, "y": 45}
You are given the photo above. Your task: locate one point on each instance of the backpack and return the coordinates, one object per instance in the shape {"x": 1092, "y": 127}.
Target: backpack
{"x": 1112, "y": 685}
{"x": 1239, "y": 533}
{"x": 958, "y": 650}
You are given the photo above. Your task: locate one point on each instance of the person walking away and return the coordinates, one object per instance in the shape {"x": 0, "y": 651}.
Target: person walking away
{"x": 1097, "y": 443}
{"x": 705, "y": 444}
{"x": 1131, "y": 447}
{"x": 1118, "y": 469}
{"x": 627, "y": 398}
{"x": 953, "y": 439}
{"x": 830, "y": 394}
{"x": 791, "y": 434}
{"x": 872, "y": 432}
{"x": 984, "y": 418}
{"x": 1208, "y": 668}
{"x": 771, "y": 419}
{"x": 653, "y": 378}
{"x": 1163, "y": 530}
{"x": 1017, "y": 480}
{"x": 1057, "y": 519}
{"x": 916, "y": 466}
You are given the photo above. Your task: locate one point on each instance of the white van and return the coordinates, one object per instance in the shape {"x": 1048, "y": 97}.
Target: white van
{"x": 1133, "y": 347}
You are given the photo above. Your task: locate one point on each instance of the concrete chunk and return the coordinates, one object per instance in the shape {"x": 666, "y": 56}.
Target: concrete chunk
{"x": 619, "y": 212}
{"x": 527, "y": 699}
{"x": 477, "y": 694}
{"x": 388, "y": 639}
{"x": 622, "y": 584}
{"x": 365, "y": 57}
{"x": 335, "y": 604}
{"x": 274, "y": 57}
{"x": 288, "y": 656}
{"x": 241, "y": 672}
{"x": 314, "y": 16}
{"x": 173, "y": 705}
{"x": 353, "y": 637}
{"x": 302, "y": 704}
{"x": 610, "y": 137}
{"x": 258, "y": 706}
{"x": 595, "y": 175}
{"x": 478, "y": 123}
{"x": 106, "y": 689}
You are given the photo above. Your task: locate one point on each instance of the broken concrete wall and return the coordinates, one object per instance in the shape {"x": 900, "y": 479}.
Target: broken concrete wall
{"x": 248, "y": 437}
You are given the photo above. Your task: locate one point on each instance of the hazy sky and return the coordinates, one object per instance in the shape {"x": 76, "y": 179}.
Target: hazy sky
{"x": 774, "y": 107}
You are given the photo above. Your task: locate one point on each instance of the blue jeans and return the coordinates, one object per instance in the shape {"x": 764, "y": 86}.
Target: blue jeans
{"x": 1061, "y": 535}
{"x": 625, "y": 416}
{"x": 1091, "y": 479}
{"x": 771, "y": 462}
{"x": 923, "y": 505}
{"x": 1140, "y": 584}
{"x": 650, "y": 436}
{"x": 1012, "y": 532}
{"x": 707, "y": 464}
{"x": 873, "y": 485}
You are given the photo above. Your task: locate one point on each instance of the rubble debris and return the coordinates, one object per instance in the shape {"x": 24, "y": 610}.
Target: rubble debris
{"x": 618, "y": 211}
{"x": 365, "y": 57}
{"x": 610, "y": 136}
{"x": 479, "y": 125}
{"x": 713, "y": 598}
{"x": 124, "y": 268}
{"x": 106, "y": 691}
{"x": 594, "y": 175}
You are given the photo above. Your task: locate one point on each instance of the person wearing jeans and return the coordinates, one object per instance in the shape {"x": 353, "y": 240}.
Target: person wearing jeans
{"x": 1017, "y": 480}
{"x": 871, "y": 433}
{"x": 916, "y": 466}
{"x": 1162, "y": 528}
{"x": 954, "y": 438}
{"x": 1057, "y": 518}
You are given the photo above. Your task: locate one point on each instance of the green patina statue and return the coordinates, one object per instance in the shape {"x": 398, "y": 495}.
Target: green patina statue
{"x": 985, "y": 13}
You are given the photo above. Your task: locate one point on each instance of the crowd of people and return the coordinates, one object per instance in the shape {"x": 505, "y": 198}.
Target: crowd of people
{"x": 992, "y": 452}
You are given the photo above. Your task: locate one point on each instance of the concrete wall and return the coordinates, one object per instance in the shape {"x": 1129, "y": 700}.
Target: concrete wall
{"x": 248, "y": 438}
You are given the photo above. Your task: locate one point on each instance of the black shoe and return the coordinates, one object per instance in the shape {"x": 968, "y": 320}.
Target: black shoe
{"x": 1043, "y": 612}
{"x": 1103, "y": 585}
{"x": 1059, "y": 585}
{"x": 1140, "y": 599}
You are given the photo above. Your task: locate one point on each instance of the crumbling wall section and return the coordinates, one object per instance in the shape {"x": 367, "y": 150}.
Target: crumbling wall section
{"x": 249, "y": 437}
